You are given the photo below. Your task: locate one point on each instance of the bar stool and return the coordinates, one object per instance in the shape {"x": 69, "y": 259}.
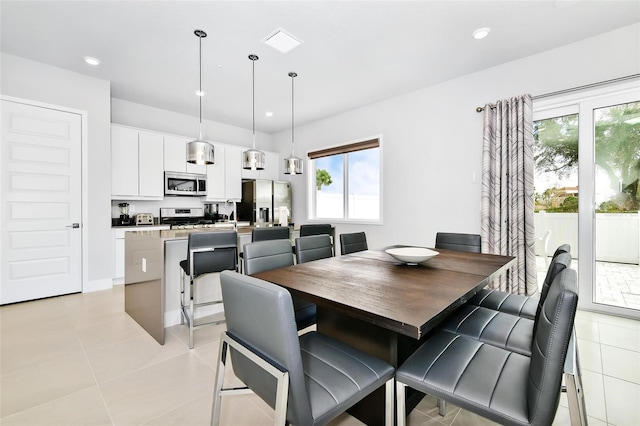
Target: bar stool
{"x": 208, "y": 252}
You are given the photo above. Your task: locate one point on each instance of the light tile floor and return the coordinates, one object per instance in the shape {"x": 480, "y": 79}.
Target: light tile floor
{"x": 81, "y": 360}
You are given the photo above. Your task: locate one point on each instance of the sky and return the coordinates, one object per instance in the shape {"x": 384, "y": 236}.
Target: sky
{"x": 364, "y": 172}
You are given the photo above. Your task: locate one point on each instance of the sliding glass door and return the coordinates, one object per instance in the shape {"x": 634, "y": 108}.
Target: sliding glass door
{"x": 588, "y": 191}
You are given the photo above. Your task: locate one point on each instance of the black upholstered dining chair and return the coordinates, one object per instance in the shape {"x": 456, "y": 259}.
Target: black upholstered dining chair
{"x": 271, "y": 233}
{"x": 459, "y": 242}
{"x": 315, "y": 229}
{"x": 272, "y": 254}
{"x": 307, "y": 380}
{"x": 266, "y": 234}
{"x": 502, "y": 385}
{"x": 313, "y": 247}
{"x": 518, "y": 304}
{"x": 354, "y": 242}
{"x": 207, "y": 252}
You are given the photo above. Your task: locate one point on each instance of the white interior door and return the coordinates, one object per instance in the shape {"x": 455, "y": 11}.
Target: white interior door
{"x": 40, "y": 229}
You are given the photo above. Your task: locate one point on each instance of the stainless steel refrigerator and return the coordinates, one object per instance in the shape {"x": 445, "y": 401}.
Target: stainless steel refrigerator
{"x": 262, "y": 199}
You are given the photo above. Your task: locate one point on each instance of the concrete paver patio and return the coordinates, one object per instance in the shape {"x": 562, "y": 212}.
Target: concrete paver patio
{"x": 617, "y": 284}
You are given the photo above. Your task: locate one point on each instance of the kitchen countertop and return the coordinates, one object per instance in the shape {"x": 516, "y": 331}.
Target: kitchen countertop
{"x": 155, "y": 225}
{"x": 136, "y": 227}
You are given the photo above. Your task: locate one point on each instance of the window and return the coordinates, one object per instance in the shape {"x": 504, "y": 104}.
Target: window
{"x": 347, "y": 182}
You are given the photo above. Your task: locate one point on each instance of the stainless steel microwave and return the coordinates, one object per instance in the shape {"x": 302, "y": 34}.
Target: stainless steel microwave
{"x": 185, "y": 184}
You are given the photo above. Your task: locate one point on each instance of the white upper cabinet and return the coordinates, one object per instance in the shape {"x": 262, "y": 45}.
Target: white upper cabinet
{"x": 224, "y": 178}
{"x": 175, "y": 156}
{"x": 136, "y": 164}
{"x": 216, "y": 178}
{"x": 271, "y": 168}
{"x": 124, "y": 162}
{"x": 140, "y": 157}
{"x": 150, "y": 165}
{"x": 233, "y": 172}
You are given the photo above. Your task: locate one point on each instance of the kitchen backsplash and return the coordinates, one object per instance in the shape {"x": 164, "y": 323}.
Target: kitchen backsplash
{"x": 153, "y": 207}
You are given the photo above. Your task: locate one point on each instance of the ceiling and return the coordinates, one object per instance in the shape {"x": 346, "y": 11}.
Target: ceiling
{"x": 353, "y": 52}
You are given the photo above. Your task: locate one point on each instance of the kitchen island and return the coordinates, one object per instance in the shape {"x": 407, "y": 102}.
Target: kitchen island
{"x": 152, "y": 276}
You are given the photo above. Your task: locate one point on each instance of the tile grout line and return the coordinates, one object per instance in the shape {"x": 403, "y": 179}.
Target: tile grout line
{"x": 604, "y": 391}
{"x": 95, "y": 379}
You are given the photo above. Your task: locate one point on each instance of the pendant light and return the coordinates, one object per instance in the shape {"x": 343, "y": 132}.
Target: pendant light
{"x": 292, "y": 164}
{"x": 252, "y": 159}
{"x": 200, "y": 151}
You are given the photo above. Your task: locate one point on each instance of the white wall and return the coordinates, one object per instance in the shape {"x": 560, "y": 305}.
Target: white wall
{"x": 160, "y": 120}
{"x": 35, "y": 81}
{"x": 432, "y": 138}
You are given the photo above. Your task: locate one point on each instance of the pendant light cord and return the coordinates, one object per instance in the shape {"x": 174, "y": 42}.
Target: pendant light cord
{"x": 292, "y": 137}
{"x": 200, "y": 94}
{"x": 253, "y": 101}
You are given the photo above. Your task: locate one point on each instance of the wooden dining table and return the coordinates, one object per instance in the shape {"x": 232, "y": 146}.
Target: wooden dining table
{"x": 384, "y": 307}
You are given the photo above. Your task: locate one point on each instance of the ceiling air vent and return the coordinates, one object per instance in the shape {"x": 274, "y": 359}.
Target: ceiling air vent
{"x": 281, "y": 40}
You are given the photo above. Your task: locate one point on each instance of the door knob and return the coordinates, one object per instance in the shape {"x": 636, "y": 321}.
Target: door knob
{"x": 74, "y": 225}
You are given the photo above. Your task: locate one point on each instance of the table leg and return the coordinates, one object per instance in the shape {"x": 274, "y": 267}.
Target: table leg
{"x": 377, "y": 341}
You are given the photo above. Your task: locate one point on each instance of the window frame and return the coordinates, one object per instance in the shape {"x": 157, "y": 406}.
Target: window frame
{"x": 343, "y": 149}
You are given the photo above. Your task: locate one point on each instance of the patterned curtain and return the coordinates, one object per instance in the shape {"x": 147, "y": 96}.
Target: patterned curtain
{"x": 507, "y": 191}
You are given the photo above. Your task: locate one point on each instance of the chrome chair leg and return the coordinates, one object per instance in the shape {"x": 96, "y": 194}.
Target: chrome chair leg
{"x": 282, "y": 381}
{"x": 401, "y": 409}
{"x": 389, "y": 400}
{"x": 182, "y": 298}
{"x": 192, "y": 316}
{"x": 575, "y": 399}
{"x": 442, "y": 407}
{"x": 573, "y": 384}
{"x": 217, "y": 392}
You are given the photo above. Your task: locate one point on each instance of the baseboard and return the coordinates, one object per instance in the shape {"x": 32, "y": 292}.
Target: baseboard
{"x": 97, "y": 285}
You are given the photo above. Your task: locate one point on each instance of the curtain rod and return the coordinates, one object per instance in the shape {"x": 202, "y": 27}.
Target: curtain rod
{"x": 574, "y": 89}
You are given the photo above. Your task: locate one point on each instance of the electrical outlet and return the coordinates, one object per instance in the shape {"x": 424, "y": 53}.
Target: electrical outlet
{"x": 144, "y": 264}
{"x": 132, "y": 208}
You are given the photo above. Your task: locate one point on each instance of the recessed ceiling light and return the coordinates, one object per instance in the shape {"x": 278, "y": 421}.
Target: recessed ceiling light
{"x": 269, "y": 113}
{"x": 91, "y": 60}
{"x": 481, "y": 33}
{"x": 281, "y": 40}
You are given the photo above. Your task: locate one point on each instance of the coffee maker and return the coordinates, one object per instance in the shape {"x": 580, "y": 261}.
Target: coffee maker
{"x": 125, "y": 219}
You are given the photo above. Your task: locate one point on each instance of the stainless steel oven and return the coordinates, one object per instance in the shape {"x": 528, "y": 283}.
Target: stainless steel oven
{"x": 185, "y": 184}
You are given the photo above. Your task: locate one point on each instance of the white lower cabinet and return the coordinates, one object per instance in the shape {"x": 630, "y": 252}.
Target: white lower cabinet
{"x": 118, "y": 248}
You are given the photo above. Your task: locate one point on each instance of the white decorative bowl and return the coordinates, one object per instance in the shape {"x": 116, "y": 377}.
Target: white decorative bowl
{"x": 412, "y": 255}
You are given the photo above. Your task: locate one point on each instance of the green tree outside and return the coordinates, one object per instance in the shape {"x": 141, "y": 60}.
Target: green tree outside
{"x": 617, "y": 149}
{"x": 322, "y": 178}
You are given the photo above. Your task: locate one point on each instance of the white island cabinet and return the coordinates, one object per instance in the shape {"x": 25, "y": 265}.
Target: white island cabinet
{"x": 137, "y": 165}
{"x": 118, "y": 247}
